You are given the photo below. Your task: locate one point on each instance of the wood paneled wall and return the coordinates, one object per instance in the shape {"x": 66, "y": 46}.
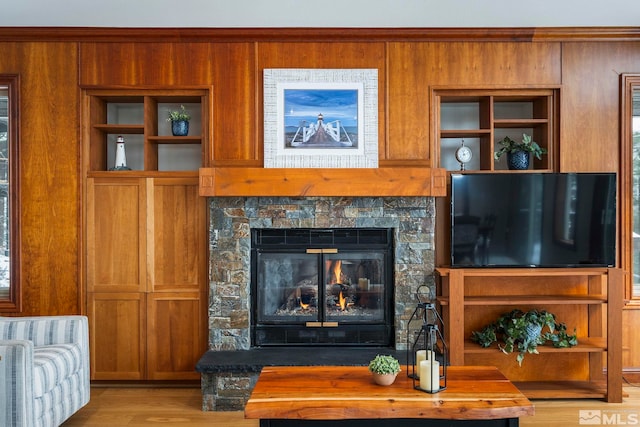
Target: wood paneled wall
{"x": 49, "y": 174}
{"x": 585, "y": 65}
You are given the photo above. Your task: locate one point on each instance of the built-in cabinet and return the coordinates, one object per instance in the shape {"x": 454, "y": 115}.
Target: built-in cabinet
{"x": 480, "y": 118}
{"x": 587, "y": 299}
{"x": 146, "y": 234}
{"x": 146, "y": 268}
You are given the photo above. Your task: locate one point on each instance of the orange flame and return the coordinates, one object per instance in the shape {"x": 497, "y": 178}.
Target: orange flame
{"x": 335, "y": 271}
{"x": 342, "y": 301}
{"x": 303, "y": 305}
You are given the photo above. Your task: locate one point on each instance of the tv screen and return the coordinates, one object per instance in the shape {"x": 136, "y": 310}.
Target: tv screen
{"x": 533, "y": 220}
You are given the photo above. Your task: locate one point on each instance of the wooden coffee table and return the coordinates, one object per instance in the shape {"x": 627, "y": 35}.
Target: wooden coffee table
{"x": 318, "y": 396}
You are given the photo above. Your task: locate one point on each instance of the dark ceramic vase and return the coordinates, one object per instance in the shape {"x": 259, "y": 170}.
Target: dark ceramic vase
{"x": 518, "y": 160}
{"x": 180, "y": 128}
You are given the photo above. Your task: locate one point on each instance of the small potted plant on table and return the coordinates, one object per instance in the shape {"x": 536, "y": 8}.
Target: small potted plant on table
{"x": 384, "y": 369}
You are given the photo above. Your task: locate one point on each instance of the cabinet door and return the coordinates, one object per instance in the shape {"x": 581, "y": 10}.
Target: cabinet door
{"x": 116, "y": 241}
{"x": 177, "y": 254}
{"x": 117, "y": 335}
{"x": 176, "y": 335}
{"x": 177, "y": 236}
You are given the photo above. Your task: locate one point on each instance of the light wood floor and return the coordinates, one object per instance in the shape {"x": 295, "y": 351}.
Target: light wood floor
{"x": 123, "y": 407}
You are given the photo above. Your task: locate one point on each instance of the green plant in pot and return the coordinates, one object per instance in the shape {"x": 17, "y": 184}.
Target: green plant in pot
{"x": 384, "y": 368}
{"x": 523, "y": 331}
{"x": 518, "y": 152}
{"x": 179, "y": 121}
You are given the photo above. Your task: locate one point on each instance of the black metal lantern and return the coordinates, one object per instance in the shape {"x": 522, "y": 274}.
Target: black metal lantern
{"x": 426, "y": 349}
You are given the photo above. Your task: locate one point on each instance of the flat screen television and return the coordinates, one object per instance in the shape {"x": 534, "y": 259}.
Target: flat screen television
{"x": 533, "y": 220}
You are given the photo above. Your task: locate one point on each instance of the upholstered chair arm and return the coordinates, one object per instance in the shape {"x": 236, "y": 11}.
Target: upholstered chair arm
{"x": 16, "y": 383}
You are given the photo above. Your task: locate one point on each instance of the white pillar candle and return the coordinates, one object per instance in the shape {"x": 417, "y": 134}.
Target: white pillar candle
{"x": 430, "y": 375}
{"x": 422, "y": 355}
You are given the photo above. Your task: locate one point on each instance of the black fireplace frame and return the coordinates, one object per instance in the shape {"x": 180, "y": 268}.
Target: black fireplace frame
{"x": 346, "y": 240}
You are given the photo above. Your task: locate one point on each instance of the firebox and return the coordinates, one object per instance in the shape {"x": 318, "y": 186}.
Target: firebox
{"x": 319, "y": 287}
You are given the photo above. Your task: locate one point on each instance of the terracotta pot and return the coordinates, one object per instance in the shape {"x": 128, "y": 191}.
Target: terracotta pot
{"x": 384, "y": 379}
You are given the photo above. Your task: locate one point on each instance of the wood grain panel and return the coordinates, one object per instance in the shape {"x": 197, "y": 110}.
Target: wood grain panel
{"x": 236, "y": 136}
{"x": 179, "y": 234}
{"x": 117, "y": 335}
{"x": 224, "y": 182}
{"x": 49, "y": 176}
{"x": 177, "y": 335}
{"x": 145, "y": 64}
{"x": 116, "y": 242}
{"x": 589, "y": 134}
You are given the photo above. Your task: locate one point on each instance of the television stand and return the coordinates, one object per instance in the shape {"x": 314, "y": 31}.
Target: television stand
{"x": 589, "y": 299}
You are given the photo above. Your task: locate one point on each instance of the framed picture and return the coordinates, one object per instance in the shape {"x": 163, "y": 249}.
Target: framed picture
{"x": 320, "y": 118}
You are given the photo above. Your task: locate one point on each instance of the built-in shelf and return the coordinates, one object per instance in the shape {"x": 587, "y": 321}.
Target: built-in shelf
{"x": 480, "y": 118}
{"x": 140, "y": 117}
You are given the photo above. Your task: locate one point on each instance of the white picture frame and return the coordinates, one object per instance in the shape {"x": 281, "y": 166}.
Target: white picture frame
{"x": 320, "y": 118}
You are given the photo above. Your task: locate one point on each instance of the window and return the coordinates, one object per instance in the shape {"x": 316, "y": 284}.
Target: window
{"x": 9, "y": 232}
{"x": 629, "y": 194}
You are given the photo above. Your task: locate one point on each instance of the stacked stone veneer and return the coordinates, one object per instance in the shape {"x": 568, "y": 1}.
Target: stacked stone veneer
{"x": 412, "y": 219}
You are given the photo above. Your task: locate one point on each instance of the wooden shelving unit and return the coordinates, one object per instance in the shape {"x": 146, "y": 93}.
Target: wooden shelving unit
{"x": 139, "y": 115}
{"x": 589, "y": 299}
{"x": 482, "y": 117}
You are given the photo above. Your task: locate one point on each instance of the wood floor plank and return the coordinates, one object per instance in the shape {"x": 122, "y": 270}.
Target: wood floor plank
{"x": 177, "y": 407}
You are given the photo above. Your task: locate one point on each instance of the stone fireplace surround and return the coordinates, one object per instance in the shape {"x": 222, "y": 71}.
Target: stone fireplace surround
{"x": 228, "y": 370}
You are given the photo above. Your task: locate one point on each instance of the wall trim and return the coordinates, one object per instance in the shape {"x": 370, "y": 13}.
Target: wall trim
{"x": 228, "y": 35}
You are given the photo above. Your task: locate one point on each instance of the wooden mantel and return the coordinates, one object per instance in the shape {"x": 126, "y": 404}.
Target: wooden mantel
{"x": 322, "y": 182}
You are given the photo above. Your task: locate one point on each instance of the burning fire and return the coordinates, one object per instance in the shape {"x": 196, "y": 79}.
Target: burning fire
{"x": 303, "y": 305}
{"x": 335, "y": 272}
{"x": 342, "y": 301}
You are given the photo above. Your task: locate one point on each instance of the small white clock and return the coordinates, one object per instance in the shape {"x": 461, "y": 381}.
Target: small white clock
{"x": 463, "y": 155}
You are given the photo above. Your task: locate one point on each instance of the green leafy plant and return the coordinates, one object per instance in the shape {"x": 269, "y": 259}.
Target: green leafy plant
{"x": 179, "y": 115}
{"x": 508, "y": 145}
{"x": 384, "y": 364}
{"x": 523, "y": 331}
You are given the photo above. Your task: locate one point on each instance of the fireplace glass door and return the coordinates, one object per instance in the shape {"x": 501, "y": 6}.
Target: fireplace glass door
{"x": 321, "y": 292}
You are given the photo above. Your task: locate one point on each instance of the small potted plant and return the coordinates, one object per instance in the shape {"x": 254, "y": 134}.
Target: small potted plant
{"x": 384, "y": 368}
{"x": 179, "y": 121}
{"x": 518, "y": 152}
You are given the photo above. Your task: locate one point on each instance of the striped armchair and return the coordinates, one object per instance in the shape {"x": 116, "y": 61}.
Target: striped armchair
{"x": 44, "y": 369}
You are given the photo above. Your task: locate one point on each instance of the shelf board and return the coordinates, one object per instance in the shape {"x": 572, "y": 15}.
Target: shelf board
{"x": 562, "y": 389}
{"x": 524, "y": 272}
{"x": 168, "y": 139}
{"x": 142, "y": 174}
{"x": 585, "y": 345}
{"x": 464, "y": 133}
{"x": 518, "y": 123}
{"x": 126, "y": 129}
{"x": 529, "y": 300}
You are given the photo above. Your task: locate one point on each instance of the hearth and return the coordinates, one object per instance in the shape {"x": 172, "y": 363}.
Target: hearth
{"x": 321, "y": 287}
